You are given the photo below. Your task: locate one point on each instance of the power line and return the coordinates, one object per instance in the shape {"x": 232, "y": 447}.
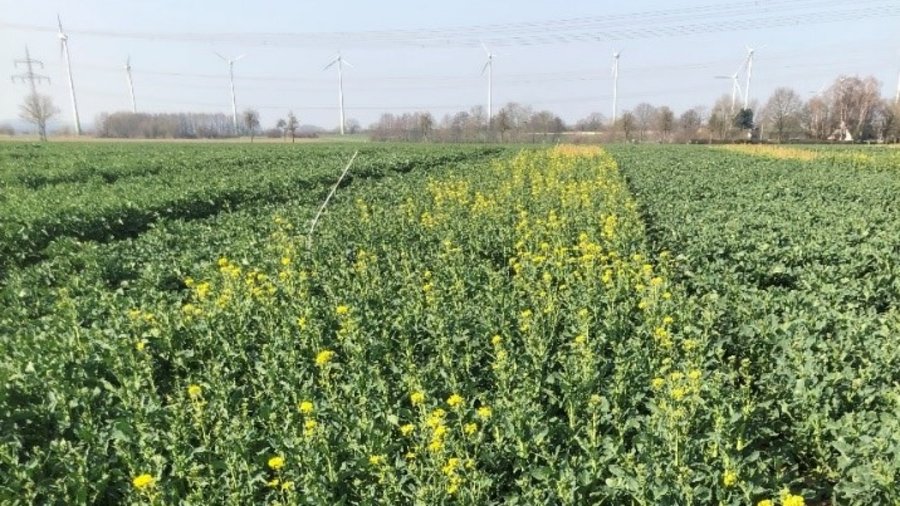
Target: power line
{"x": 310, "y": 83}
{"x": 630, "y": 26}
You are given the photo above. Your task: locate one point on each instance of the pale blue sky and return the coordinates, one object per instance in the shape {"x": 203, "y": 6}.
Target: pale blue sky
{"x": 544, "y": 68}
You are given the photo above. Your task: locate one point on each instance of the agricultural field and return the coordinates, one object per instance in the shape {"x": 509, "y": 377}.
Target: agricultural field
{"x": 466, "y": 325}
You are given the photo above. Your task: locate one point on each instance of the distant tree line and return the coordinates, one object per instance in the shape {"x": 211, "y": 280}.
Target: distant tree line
{"x": 851, "y": 109}
{"x": 127, "y": 125}
{"x": 514, "y": 122}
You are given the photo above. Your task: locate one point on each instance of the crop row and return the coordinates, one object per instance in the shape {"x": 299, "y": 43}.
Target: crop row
{"x": 795, "y": 262}
{"x": 488, "y": 334}
{"x": 188, "y": 188}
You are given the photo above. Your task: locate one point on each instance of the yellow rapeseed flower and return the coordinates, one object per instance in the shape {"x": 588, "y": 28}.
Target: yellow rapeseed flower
{"x": 657, "y": 383}
{"x": 287, "y": 486}
{"x": 765, "y": 502}
{"x": 451, "y": 466}
{"x": 309, "y": 427}
{"x": 484, "y": 412}
{"x": 470, "y": 428}
{"x": 407, "y": 429}
{"x": 143, "y": 481}
{"x": 273, "y": 483}
{"x": 323, "y": 357}
{"x": 497, "y": 340}
{"x": 730, "y": 478}
{"x": 453, "y": 486}
{"x": 792, "y": 500}
{"x": 140, "y": 345}
{"x": 435, "y": 445}
{"x": 194, "y": 391}
{"x": 417, "y": 398}
{"x": 342, "y": 310}
{"x": 276, "y": 462}
{"x": 376, "y": 460}
{"x": 455, "y": 400}
{"x": 306, "y": 407}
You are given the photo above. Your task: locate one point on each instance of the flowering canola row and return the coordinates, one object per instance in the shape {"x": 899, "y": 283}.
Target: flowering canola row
{"x": 491, "y": 333}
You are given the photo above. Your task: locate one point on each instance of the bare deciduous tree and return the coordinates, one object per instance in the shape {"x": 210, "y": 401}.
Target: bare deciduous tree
{"x": 292, "y": 125}
{"x": 665, "y": 120}
{"x": 689, "y": 123}
{"x": 853, "y": 101}
{"x": 781, "y": 113}
{"x": 593, "y": 122}
{"x": 644, "y": 116}
{"x": 627, "y": 123}
{"x": 720, "y": 118}
{"x": 816, "y": 118}
{"x": 251, "y": 121}
{"x": 38, "y": 109}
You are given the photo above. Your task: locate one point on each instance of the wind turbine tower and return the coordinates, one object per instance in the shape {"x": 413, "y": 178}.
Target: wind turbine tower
{"x": 64, "y": 47}
{"x": 340, "y": 61}
{"x": 735, "y": 88}
{"x": 230, "y": 62}
{"x": 489, "y": 67}
{"x": 615, "y": 73}
{"x": 750, "y": 52}
{"x": 130, "y": 84}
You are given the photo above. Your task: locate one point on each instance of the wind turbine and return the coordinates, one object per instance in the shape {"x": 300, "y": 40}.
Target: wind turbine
{"x": 64, "y": 48}
{"x": 130, "y": 84}
{"x": 489, "y": 67}
{"x": 735, "y": 87}
{"x": 749, "y": 65}
{"x": 230, "y": 62}
{"x": 340, "y": 61}
{"x": 615, "y": 74}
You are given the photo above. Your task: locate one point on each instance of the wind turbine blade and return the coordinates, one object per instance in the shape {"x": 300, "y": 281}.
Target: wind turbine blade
{"x": 486, "y": 65}
{"x": 330, "y": 64}
{"x": 486, "y": 50}
{"x": 59, "y": 22}
{"x": 239, "y": 57}
{"x": 345, "y": 62}
{"x": 220, "y": 56}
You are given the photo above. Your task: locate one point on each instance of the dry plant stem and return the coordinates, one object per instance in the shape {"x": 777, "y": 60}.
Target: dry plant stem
{"x": 315, "y": 221}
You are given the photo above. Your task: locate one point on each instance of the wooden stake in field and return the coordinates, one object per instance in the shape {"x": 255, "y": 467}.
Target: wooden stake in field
{"x": 315, "y": 221}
